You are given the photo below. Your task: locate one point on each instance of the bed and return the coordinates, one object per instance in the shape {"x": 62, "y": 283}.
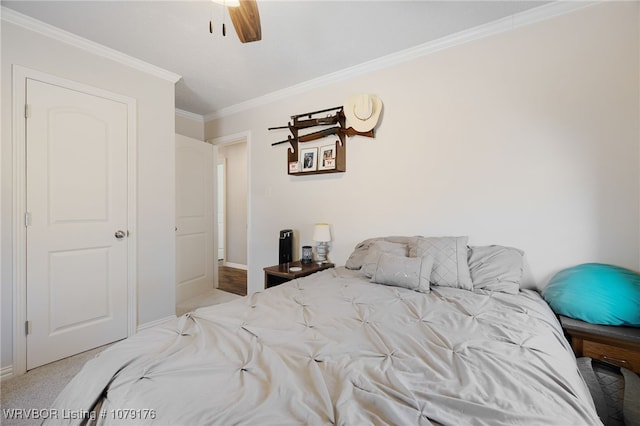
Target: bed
{"x": 373, "y": 342}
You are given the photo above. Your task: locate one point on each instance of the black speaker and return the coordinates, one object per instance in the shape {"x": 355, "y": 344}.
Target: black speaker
{"x": 286, "y": 246}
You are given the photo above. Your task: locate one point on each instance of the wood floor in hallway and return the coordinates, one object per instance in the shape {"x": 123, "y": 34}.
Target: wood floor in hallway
{"x": 233, "y": 280}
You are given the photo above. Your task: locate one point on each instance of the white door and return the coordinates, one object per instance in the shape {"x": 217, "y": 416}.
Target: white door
{"x": 194, "y": 217}
{"x": 76, "y": 202}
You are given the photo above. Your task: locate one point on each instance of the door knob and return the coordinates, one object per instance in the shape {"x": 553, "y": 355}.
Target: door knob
{"x": 120, "y": 234}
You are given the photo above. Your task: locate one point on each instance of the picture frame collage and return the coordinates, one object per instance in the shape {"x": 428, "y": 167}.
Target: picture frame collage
{"x": 318, "y": 158}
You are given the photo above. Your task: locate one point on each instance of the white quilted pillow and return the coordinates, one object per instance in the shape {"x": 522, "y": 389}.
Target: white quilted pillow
{"x": 362, "y": 249}
{"x": 370, "y": 261}
{"x": 450, "y": 267}
{"x": 401, "y": 271}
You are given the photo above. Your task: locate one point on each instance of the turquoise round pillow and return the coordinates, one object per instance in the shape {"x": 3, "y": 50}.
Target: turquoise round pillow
{"x": 596, "y": 293}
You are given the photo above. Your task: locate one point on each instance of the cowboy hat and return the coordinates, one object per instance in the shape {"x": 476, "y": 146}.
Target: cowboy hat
{"x": 362, "y": 111}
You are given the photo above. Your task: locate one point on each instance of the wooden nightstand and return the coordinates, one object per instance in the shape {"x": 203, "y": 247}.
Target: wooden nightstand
{"x": 612, "y": 344}
{"x": 278, "y": 274}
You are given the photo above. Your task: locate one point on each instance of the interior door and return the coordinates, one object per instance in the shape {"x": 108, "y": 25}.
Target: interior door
{"x": 194, "y": 217}
{"x": 76, "y": 203}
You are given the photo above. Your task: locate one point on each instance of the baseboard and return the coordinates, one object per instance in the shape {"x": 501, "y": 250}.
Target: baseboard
{"x": 235, "y": 265}
{"x": 6, "y": 372}
{"x": 152, "y": 324}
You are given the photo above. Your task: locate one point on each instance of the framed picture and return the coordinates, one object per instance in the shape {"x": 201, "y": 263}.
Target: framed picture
{"x": 327, "y": 157}
{"x": 309, "y": 159}
{"x": 294, "y": 167}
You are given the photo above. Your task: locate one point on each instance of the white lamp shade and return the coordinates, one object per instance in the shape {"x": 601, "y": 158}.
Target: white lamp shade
{"x": 321, "y": 232}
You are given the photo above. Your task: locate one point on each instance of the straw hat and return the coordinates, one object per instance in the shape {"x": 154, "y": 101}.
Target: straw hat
{"x": 363, "y": 111}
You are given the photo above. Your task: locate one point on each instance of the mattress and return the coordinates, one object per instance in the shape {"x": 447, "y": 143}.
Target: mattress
{"x": 334, "y": 348}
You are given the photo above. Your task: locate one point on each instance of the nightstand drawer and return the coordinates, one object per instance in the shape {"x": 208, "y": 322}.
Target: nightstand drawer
{"x": 615, "y": 355}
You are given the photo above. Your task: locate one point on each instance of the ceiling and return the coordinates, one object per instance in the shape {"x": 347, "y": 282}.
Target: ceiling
{"x": 301, "y": 39}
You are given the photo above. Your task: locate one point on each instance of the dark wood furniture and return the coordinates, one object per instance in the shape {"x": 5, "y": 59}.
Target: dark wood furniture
{"x": 278, "y": 274}
{"x": 232, "y": 280}
{"x": 293, "y": 154}
{"x": 612, "y": 344}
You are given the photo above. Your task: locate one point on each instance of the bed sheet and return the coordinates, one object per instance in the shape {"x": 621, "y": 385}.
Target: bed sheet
{"x": 333, "y": 348}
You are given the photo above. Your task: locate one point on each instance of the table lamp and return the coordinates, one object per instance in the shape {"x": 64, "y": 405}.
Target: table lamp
{"x": 322, "y": 235}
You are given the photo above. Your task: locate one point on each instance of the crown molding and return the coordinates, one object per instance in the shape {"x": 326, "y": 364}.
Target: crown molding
{"x": 541, "y": 13}
{"x": 189, "y": 115}
{"x": 24, "y": 21}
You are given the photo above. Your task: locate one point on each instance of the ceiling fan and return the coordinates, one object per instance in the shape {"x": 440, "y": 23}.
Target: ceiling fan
{"x": 245, "y": 17}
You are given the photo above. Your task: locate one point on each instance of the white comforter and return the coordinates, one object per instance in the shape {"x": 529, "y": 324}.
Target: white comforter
{"x": 334, "y": 348}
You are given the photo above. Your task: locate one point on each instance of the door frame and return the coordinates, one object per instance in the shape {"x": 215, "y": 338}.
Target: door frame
{"x": 20, "y": 75}
{"x": 230, "y": 140}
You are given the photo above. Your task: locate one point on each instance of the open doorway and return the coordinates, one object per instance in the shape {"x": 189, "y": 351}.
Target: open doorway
{"x": 231, "y": 212}
{"x": 221, "y": 193}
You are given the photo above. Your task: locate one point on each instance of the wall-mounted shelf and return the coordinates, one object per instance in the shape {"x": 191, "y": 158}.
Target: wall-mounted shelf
{"x": 297, "y": 142}
{"x": 293, "y": 152}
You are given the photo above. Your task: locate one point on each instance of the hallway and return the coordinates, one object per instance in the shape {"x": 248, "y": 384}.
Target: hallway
{"x": 232, "y": 280}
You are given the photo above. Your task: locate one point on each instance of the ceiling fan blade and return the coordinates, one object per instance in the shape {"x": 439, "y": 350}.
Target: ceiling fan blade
{"x": 246, "y": 21}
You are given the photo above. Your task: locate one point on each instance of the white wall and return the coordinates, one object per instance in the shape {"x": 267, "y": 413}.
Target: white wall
{"x": 155, "y": 164}
{"x": 190, "y": 125}
{"x": 527, "y": 138}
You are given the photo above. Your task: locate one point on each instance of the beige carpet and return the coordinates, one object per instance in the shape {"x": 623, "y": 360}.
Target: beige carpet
{"x": 211, "y": 297}
{"x": 23, "y": 395}
{"x": 37, "y": 389}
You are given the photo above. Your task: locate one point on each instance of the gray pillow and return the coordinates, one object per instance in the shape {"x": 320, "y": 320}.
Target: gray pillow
{"x": 496, "y": 268}
{"x": 362, "y": 249}
{"x": 400, "y": 271}
{"x": 450, "y": 268}
{"x": 376, "y": 249}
